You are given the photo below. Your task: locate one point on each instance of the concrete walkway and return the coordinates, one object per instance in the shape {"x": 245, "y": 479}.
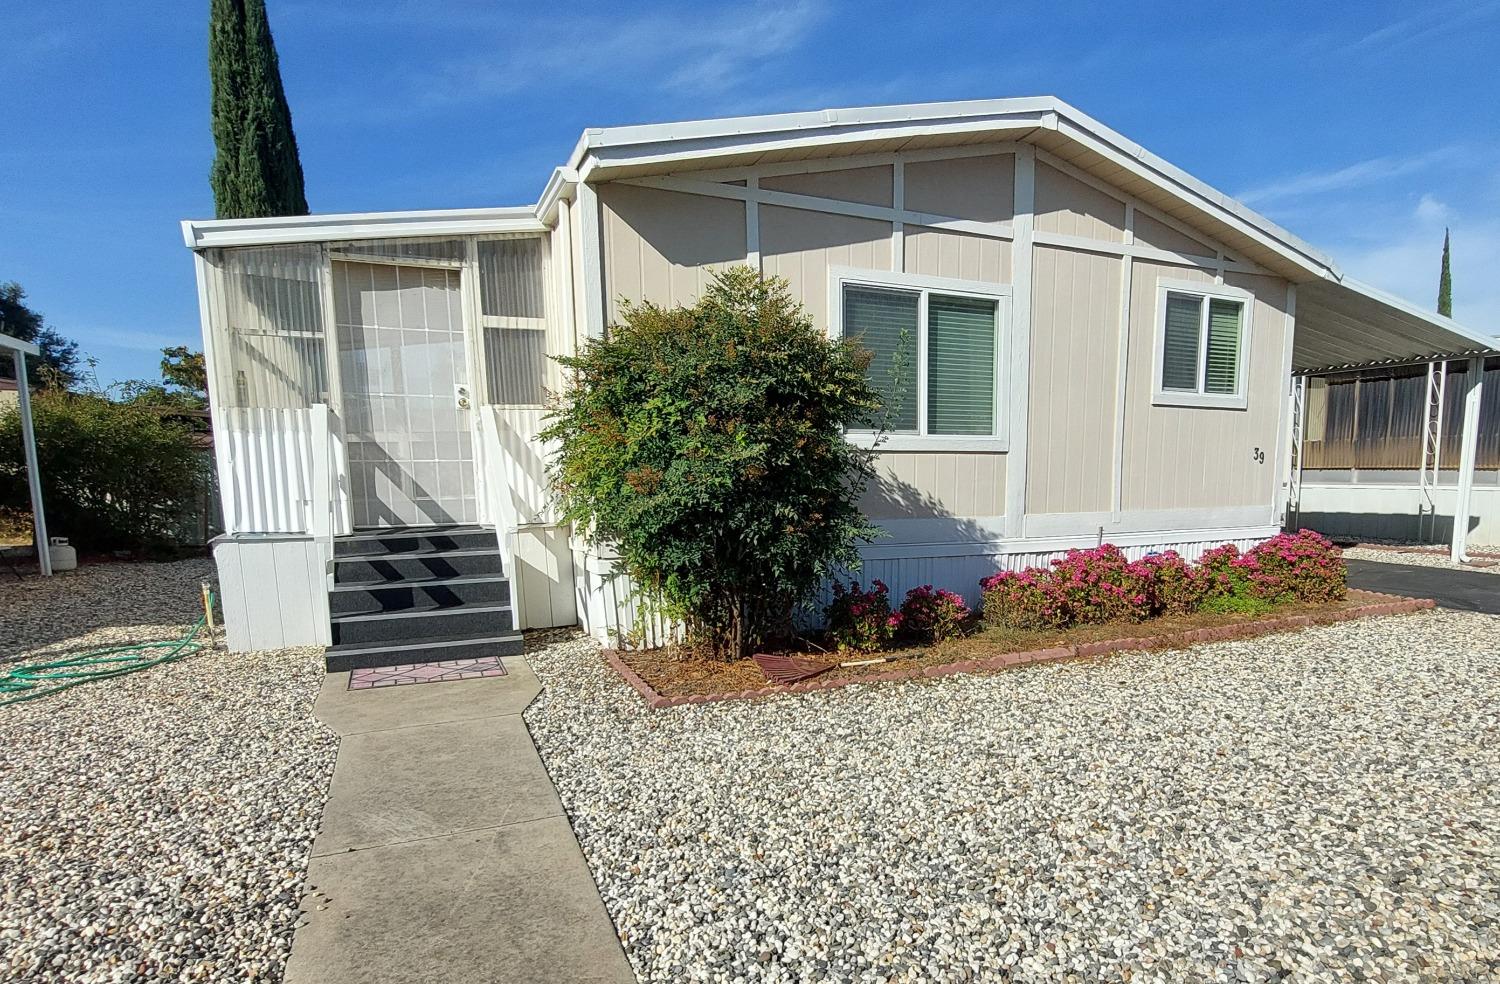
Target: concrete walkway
{"x": 1469, "y": 591}
{"x": 444, "y": 853}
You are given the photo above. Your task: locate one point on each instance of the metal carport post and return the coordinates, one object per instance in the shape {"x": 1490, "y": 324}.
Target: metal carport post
{"x": 19, "y": 351}
{"x": 1468, "y": 454}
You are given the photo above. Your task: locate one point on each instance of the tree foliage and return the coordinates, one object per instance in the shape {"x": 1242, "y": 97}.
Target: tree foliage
{"x": 706, "y": 446}
{"x": 58, "y": 363}
{"x": 183, "y": 384}
{"x": 114, "y": 475}
{"x": 1445, "y": 283}
{"x": 256, "y": 170}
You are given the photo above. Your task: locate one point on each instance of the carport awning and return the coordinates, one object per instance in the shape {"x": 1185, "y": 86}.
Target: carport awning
{"x": 1343, "y": 324}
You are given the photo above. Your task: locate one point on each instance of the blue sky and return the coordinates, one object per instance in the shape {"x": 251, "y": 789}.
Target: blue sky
{"x": 1363, "y": 127}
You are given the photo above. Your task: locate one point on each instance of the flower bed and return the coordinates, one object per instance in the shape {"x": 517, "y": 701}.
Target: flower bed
{"x": 666, "y": 680}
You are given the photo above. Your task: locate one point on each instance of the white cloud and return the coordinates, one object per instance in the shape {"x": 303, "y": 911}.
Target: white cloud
{"x": 1358, "y": 175}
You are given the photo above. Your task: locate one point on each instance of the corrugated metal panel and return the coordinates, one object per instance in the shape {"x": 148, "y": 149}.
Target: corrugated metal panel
{"x": 1074, "y": 344}
{"x": 269, "y": 454}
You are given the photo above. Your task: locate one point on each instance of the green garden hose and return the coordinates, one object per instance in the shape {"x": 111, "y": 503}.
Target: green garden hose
{"x": 28, "y": 681}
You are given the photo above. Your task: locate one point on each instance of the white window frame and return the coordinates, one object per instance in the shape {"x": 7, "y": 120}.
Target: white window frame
{"x": 839, "y": 277}
{"x": 1239, "y": 399}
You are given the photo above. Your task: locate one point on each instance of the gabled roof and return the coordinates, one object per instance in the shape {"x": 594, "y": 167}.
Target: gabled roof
{"x": 1341, "y": 323}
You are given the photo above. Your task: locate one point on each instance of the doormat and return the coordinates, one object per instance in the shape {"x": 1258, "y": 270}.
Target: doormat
{"x": 446, "y": 671}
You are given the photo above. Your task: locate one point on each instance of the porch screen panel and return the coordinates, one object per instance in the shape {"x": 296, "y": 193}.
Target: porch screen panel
{"x": 511, "y": 282}
{"x": 441, "y": 250}
{"x": 269, "y": 319}
{"x": 516, "y": 363}
{"x": 512, "y": 298}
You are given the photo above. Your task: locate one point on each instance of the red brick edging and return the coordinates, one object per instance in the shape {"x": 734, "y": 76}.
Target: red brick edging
{"x": 1395, "y": 605}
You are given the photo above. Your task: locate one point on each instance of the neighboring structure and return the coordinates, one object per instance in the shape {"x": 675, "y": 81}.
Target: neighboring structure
{"x": 1103, "y": 346}
{"x": 1381, "y": 450}
{"x": 19, "y": 350}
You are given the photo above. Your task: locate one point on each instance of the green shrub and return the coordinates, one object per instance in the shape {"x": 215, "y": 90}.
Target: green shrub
{"x": 1236, "y": 604}
{"x": 115, "y": 476}
{"x": 706, "y": 446}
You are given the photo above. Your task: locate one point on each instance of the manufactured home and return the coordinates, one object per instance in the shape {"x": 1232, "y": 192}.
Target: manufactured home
{"x": 1106, "y": 350}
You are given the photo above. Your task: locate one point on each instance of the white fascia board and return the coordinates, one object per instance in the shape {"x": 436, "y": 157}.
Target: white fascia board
{"x": 16, "y": 345}
{"x": 205, "y": 233}
{"x": 562, "y": 183}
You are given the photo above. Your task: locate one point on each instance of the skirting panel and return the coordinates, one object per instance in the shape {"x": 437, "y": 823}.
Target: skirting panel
{"x": 611, "y": 612}
{"x": 273, "y": 591}
{"x": 1395, "y": 512}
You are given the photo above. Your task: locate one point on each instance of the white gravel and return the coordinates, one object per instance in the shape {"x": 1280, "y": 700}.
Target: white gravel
{"x": 1315, "y": 806}
{"x": 1415, "y": 558}
{"x": 154, "y": 826}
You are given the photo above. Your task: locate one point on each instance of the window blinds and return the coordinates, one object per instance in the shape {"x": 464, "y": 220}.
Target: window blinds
{"x": 1222, "y": 369}
{"x": 960, "y": 365}
{"x": 885, "y": 322}
{"x": 1179, "y": 366}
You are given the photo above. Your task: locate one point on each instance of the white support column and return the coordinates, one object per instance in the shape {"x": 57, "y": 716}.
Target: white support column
{"x": 752, "y": 224}
{"x": 592, "y": 255}
{"x": 1289, "y": 436}
{"x": 33, "y": 471}
{"x": 1122, "y": 373}
{"x": 898, "y": 228}
{"x": 1018, "y": 380}
{"x": 1468, "y": 453}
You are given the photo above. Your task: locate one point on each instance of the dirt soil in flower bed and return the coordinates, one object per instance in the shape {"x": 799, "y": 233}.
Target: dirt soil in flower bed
{"x": 673, "y": 672}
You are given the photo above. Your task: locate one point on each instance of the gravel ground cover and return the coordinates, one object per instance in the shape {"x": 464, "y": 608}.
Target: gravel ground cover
{"x": 155, "y": 826}
{"x": 99, "y": 605}
{"x": 1323, "y": 805}
{"x": 1415, "y": 558}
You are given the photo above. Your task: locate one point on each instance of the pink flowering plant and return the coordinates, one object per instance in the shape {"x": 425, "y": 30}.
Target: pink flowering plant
{"x": 861, "y": 620}
{"x": 1101, "y": 585}
{"x": 934, "y": 614}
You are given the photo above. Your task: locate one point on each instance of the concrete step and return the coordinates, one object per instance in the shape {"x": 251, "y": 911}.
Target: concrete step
{"x": 411, "y": 596}
{"x": 339, "y": 659}
{"x": 400, "y": 628}
{"x": 378, "y": 543}
{"x": 417, "y": 566}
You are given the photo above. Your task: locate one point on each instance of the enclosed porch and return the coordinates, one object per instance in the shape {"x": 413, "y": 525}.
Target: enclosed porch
{"x": 377, "y": 396}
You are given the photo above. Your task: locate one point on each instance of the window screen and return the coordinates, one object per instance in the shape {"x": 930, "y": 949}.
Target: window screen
{"x": 1221, "y": 370}
{"x": 516, "y": 364}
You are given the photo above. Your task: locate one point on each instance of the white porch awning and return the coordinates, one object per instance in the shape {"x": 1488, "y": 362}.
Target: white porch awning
{"x": 1344, "y": 324}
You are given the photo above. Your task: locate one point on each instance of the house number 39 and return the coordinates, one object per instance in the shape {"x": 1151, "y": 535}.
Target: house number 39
{"x": 1259, "y": 456}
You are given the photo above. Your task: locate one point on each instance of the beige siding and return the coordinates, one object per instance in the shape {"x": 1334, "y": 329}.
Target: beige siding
{"x": 1075, "y": 332}
{"x": 936, "y": 485}
{"x": 1151, "y": 232}
{"x": 978, "y": 188}
{"x": 940, "y": 253}
{"x": 660, "y": 245}
{"x": 801, "y": 246}
{"x": 1189, "y": 457}
{"x": 1068, "y": 206}
{"x": 870, "y": 185}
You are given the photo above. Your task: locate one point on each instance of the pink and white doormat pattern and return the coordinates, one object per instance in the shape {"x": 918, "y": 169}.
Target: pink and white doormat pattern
{"x": 445, "y": 671}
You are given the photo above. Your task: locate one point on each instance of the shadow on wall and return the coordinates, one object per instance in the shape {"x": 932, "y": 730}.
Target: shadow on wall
{"x": 887, "y": 498}
{"x": 1382, "y": 526}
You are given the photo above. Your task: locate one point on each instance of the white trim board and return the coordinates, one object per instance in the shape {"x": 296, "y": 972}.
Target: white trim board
{"x": 203, "y": 233}
{"x": 1153, "y": 521}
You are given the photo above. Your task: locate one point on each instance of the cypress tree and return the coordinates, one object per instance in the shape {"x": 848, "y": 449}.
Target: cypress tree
{"x": 256, "y": 171}
{"x": 1445, "y": 283}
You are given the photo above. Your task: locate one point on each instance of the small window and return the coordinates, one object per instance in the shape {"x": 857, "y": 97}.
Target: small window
{"x": 1201, "y": 337}
{"x": 935, "y": 355}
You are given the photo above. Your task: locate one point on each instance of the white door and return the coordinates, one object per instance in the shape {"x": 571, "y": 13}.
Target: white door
{"x": 405, "y": 376}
